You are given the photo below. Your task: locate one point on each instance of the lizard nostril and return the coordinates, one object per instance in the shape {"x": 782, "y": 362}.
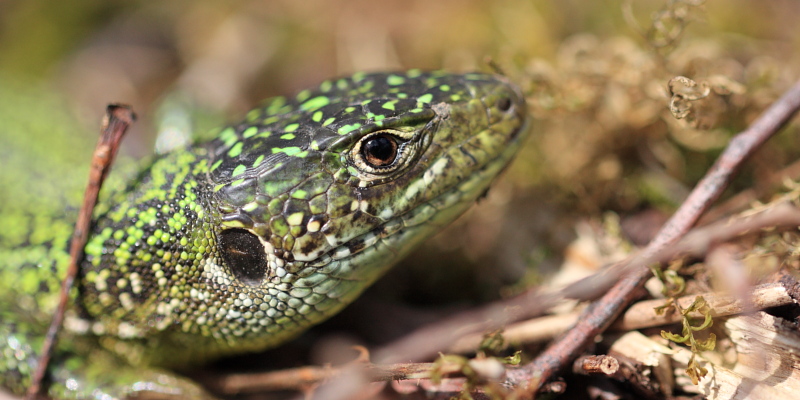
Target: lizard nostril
{"x": 503, "y": 104}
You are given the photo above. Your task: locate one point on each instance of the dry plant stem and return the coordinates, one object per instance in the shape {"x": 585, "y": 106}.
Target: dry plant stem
{"x": 641, "y": 314}
{"x": 595, "y": 365}
{"x": 116, "y": 122}
{"x": 597, "y": 317}
{"x": 299, "y": 378}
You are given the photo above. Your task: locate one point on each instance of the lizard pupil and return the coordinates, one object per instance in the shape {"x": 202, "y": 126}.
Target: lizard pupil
{"x": 244, "y": 254}
{"x": 380, "y": 150}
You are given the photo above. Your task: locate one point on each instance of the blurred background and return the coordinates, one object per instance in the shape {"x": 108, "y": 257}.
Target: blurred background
{"x": 607, "y": 160}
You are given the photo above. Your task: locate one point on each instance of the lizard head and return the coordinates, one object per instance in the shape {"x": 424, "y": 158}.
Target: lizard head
{"x": 290, "y": 214}
{"x": 318, "y": 195}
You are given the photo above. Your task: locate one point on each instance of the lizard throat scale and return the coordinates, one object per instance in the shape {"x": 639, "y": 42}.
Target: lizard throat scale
{"x": 242, "y": 242}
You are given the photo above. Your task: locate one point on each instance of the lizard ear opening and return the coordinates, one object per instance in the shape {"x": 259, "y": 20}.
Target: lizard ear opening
{"x": 244, "y": 255}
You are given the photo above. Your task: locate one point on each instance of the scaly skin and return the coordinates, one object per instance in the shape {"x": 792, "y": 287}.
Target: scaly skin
{"x": 241, "y": 243}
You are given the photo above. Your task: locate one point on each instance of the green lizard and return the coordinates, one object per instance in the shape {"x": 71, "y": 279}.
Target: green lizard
{"x": 242, "y": 242}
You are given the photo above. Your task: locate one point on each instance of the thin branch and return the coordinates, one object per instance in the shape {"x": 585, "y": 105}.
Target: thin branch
{"x": 641, "y": 314}
{"x": 116, "y": 122}
{"x": 304, "y": 377}
{"x": 596, "y": 365}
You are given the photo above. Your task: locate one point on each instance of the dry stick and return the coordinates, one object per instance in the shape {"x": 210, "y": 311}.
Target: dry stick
{"x": 298, "y": 378}
{"x": 115, "y": 123}
{"x": 596, "y": 365}
{"x": 602, "y": 313}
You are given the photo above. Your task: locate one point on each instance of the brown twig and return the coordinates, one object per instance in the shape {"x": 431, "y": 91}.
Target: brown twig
{"x": 115, "y": 123}
{"x": 300, "y": 378}
{"x": 595, "y": 365}
{"x": 641, "y": 314}
{"x": 597, "y": 317}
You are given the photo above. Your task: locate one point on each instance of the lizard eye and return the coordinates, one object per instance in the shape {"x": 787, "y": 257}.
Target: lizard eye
{"x": 379, "y": 150}
{"x": 382, "y": 155}
{"x": 244, "y": 254}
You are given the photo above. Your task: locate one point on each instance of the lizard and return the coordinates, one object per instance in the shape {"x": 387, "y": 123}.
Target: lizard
{"x": 239, "y": 243}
